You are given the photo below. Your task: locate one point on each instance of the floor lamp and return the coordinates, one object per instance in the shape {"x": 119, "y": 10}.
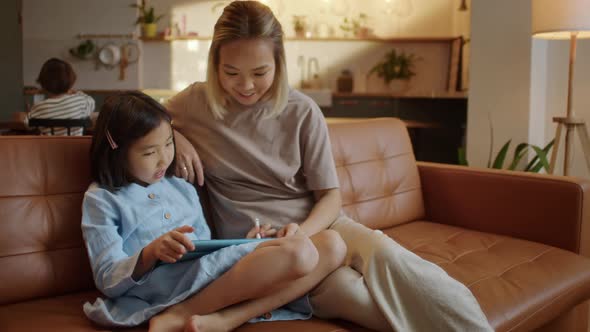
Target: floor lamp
{"x": 565, "y": 19}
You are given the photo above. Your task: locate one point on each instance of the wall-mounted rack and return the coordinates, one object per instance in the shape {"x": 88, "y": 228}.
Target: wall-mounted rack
{"x": 106, "y": 36}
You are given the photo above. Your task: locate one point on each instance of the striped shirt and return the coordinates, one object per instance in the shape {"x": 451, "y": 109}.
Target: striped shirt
{"x": 69, "y": 106}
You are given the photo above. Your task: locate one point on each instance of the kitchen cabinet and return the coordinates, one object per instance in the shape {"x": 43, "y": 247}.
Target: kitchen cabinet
{"x": 438, "y": 123}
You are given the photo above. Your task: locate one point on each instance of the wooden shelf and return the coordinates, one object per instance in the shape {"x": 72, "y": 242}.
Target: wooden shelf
{"x": 171, "y": 38}
{"x": 331, "y": 39}
{"x": 378, "y": 39}
{"x": 168, "y": 39}
{"x": 106, "y": 36}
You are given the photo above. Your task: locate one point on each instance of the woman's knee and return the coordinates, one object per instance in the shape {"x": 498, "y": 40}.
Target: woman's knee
{"x": 302, "y": 254}
{"x": 331, "y": 247}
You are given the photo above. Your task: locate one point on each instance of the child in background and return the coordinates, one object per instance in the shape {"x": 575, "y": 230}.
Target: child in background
{"x": 56, "y": 79}
{"x": 136, "y": 214}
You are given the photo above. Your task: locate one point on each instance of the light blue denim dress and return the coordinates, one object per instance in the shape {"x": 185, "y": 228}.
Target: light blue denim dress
{"x": 117, "y": 225}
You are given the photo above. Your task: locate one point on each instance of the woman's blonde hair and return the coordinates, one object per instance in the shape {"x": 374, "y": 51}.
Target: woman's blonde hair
{"x": 247, "y": 20}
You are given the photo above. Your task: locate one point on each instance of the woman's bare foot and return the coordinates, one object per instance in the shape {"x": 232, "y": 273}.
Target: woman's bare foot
{"x": 167, "y": 322}
{"x": 208, "y": 323}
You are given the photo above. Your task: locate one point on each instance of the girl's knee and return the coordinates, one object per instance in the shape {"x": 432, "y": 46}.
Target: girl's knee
{"x": 331, "y": 247}
{"x": 302, "y": 253}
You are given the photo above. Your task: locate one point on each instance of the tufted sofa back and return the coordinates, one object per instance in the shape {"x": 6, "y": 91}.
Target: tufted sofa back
{"x": 42, "y": 183}
{"x": 378, "y": 175}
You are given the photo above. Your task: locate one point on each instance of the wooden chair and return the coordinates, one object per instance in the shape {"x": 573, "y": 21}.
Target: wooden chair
{"x": 61, "y": 123}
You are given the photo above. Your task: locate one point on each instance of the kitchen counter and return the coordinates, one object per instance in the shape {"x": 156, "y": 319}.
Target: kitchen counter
{"x": 409, "y": 123}
{"x": 436, "y": 124}
{"x": 434, "y": 95}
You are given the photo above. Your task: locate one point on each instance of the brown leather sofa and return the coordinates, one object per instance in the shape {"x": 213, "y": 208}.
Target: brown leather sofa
{"x": 516, "y": 240}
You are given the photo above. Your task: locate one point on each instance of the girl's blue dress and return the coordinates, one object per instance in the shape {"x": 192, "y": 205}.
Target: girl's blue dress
{"x": 117, "y": 225}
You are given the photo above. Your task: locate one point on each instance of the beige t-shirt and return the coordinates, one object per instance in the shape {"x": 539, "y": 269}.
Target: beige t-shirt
{"x": 257, "y": 167}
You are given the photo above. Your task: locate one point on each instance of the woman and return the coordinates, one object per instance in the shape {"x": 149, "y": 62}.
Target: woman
{"x": 266, "y": 155}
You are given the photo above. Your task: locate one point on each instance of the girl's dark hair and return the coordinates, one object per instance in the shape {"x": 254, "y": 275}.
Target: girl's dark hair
{"x": 56, "y": 76}
{"x": 128, "y": 116}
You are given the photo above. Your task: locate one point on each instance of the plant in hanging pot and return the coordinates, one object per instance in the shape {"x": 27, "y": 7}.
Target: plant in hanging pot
{"x": 84, "y": 50}
{"x": 396, "y": 69}
{"x": 147, "y": 19}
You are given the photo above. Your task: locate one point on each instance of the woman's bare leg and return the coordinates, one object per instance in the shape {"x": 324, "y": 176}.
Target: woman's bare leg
{"x": 279, "y": 260}
{"x": 332, "y": 251}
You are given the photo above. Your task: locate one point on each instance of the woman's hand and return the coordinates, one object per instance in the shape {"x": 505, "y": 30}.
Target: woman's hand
{"x": 188, "y": 163}
{"x": 289, "y": 229}
{"x": 171, "y": 246}
{"x": 265, "y": 230}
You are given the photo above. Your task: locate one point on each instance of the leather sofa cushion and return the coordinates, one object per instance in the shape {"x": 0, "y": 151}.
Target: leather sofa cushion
{"x": 513, "y": 280}
{"x": 42, "y": 181}
{"x": 378, "y": 175}
{"x": 64, "y": 314}
{"x": 518, "y": 283}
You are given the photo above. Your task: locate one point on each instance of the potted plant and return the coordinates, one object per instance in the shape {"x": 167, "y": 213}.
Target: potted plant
{"x": 299, "y": 26}
{"x": 535, "y": 165}
{"x": 147, "y": 19}
{"x": 357, "y": 26}
{"x": 538, "y": 163}
{"x": 396, "y": 68}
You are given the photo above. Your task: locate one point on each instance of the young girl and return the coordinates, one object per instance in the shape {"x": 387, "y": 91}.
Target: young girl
{"x": 266, "y": 153}
{"x": 56, "y": 79}
{"x": 137, "y": 214}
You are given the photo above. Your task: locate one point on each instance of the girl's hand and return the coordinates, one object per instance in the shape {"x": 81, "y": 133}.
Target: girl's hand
{"x": 288, "y": 230}
{"x": 265, "y": 230}
{"x": 188, "y": 163}
{"x": 171, "y": 246}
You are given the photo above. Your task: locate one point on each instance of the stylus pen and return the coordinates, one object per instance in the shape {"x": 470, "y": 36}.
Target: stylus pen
{"x": 257, "y": 224}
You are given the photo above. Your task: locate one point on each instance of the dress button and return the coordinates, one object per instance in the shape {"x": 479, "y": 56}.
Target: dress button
{"x": 167, "y": 215}
{"x": 152, "y": 196}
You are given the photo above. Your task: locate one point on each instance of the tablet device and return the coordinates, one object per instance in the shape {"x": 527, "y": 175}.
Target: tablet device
{"x": 205, "y": 247}
{"x": 212, "y": 245}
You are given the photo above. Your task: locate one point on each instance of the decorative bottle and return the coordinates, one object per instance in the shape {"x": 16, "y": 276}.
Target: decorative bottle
{"x": 345, "y": 81}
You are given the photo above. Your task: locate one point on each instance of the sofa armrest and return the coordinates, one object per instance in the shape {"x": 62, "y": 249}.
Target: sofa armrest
{"x": 553, "y": 210}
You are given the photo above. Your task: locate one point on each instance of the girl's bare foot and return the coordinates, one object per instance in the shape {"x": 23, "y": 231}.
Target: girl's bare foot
{"x": 208, "y": 323}
{"x": 167, "y": 322}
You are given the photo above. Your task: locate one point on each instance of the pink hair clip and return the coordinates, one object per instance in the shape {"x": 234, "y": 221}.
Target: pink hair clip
{"x": 111, "y": 141}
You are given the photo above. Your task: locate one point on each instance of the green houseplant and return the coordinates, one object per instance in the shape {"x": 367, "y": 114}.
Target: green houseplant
{"x": 299, "y": 26}
{"x": 396, "y": 66}
{"x": 147, "y": 19}
{"x": 357, "y": 26}
{"x": 536, "y": 164}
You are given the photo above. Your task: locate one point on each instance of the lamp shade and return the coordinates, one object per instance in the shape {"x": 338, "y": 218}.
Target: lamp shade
{"x": 557, "y": 19}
